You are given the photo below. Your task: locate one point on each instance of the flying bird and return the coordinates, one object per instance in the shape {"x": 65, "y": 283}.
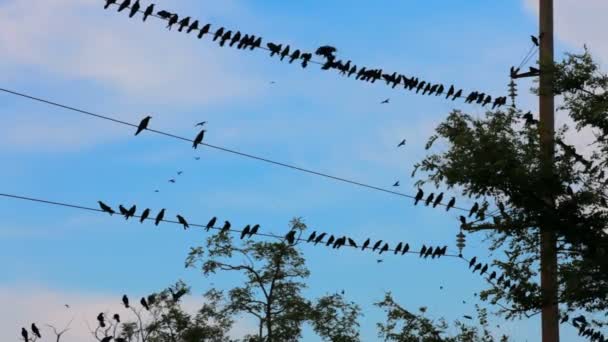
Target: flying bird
{"x": 159, "y": 217}
{"x": 202, "y": 123}
{"x": 396, "y": 183}
{"x": 144, "y": 215}
{"x": 245, "y": 231}
{"x": 144, "y": 303}
{"x": 148, "y": 12}
{"x": 225, "y": 228}
{"x": 179, "y": 173}
{"x": 379, "y": 260}
{"x": 312, "y": 236}
{"x": 106, "y": 208}
{"x": 402, "y": 143}
{"x": 197, "y": 158}
{"x": 254, "y": 230}
{"x": 450, "y": 204}
{"x": 429, "y": 199}
{"x": 419, "y": 196}
{"x": 438, "y": 200}
{"x": 182, "y": 221}
{"x": 385, "y": 101}
{"x": 535, "y": 40}
{"x": 365, "y": 244}
{"x": 199, "y": 139}
{"x": 36, "y": 331}
{"x": 467, "y": 317}
{"x": 376, "y": 245}
{"x": 125, "y": 301}
{"x": 172, "y": 180}
{"x": 108, "y": 3}
{"x": 211, "y": 223}
{"x": 134, "y": 9}
{"x": 326, "y": 51}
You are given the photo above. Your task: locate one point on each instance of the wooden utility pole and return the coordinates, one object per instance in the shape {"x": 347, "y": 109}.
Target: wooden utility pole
{"x": 548, "y": 248}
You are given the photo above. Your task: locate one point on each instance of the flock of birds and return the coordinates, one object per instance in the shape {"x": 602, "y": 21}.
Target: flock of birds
{"x": 242, "y": 41}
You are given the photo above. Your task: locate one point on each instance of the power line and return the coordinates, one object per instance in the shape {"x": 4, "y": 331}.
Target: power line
{"x": 223, "y": 149}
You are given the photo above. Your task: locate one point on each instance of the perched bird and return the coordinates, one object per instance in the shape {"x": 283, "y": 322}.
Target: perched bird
{"x": 125, "y": 301}
{"x": 225, "y": 228}
{"x": 398, "y": 248}
{"x": 183, "y": 24}
{"x": 406, "y": 249}
{"x": 199, "y": 139}
{"x": 274, "y": 48}
{"x": 227, "y": 35}
{"x": 457, "y": 95}
{"x": 108, "y": 3}
{"x": 123, "y": 210}
{"x": 204, "y": 31}
{"x": 477, "y": 268}
{"x": 534, "y": 40}
{"x": 182, "y": 221}
{"x": 164, "y": 14}
{"x": 474, "y": 209}
{"x": 285, "y": 52}
{"x": 295, "y": 55}
{"x": 101, "y": 320}
{"x": 429, "y": 252}
{"x": 144, "y": 215}
{"x": 245, "y": 231}
{"x": 352, "y": 243}
{"x": 134, "y": 9}
{"x": 500, "y": 279}
{"x": 385, "y": 101}
{"x": 450, "y": 204}
{"x": 402, "y": 143}
{"x": 326, "y": 51}
{"x": 218, "y": 33}
{"x": 396, "y": 183}
{"x": 36, "y": 331}
{"x": 463, "y": 220}
{"x": 148, "y": 12}
{"x": 25, "y": 335}
{"x": 438, "y": 200}
{"x": 106, "y": 208}
{"x": 472, "y": 262}
{"x": 254, "y": 230}
{"x": 159, "y": 217}
{"x": 320, "y": 238}
{"x": 376, "y": 245}
{"x": 305, "y": 57}
{"x": 144, "y": 303}
{"x": 256, "y": 44}
{"x": 193, "y": 26}
{"x": 419, "y": 196}
{"x": 429, "y": 199}
{"x": 291, "y": 237}
{"x": 312, "y": 236}
{"x": 439, "y": 90}
{"x": 450, "y": 92}
{"x": 365, "y": 244}
{"x": 172, "y": 21}
{"x": 116, "y": 317}
{"x": 492, "y": 275}
{"x": 330, "y": 240}
{"x": 384, "y": 248}
{"x": 484, "y": 269}
{"x": 422, "y": 251}
{"x": 211, "y": 223}
{"x": 130, "y": 212}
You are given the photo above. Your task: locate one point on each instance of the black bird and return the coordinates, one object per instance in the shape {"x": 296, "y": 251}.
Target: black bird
{"x": 320, "y": 238}
{"x": 143, "y": 124}
{"x": 376, "y": 245}
{"x": 429, "y": 199}
{"x": 420, "y": 86}
{"x": 365, "y": 244}
{"x": 254, "y": 230}
{"x": 108, "y": 3}
{"x": 134, "y": 9}
{"x": 472, "y": 96}
{"x": 493, "y": 275}
{"x": 312, "y": 236}
{"x": 225, "y": 228}
{"x": 193, "y": 26}
{"x": 144, "y": 215}
{"x": 450, "y": 204}
{"x": 204, "y": 31}
{"x": 352, "y": 243}
{"x": 385, "y": 101}
{"x": 130, "y": 212}
{"x": 218, "y": 33}
{"x": 164, "y": 14}
{"x": 474, "y": 209}
{"x": 419, "y": 196}
{"x": 245, "y": 231}
{"x": 125, "y": 301}
{"x": 501, "y": 279}
{"x": 405, "y": 249}
{"x": 149, "y": 10}
{"x": 457, "y": 95}
{"x": 106, "y": 208}
{"x": 285, "y": 52}
{"x": 487, "y": 100}
{"x": 330, "y": 240}
{"x": 182, "y": 221}
{"x": 477, "y": 268}
{"x": 507, "y": 283}
{"x": 295, "y": 55}
{"x": 467, "y": 317}
{"x": 25, "y": 335}
{"x": 172, "y": 21}
{"x": 116, "y": 317}
{"x": 183, "y": 24}
{"x": 438, "y": 200}
{"x": 246, "y": 41}
{"x": 36, "y": 331}
{"x": 274, "y": 48}
{"x": 306, "y": 57}
{"x": 396, "y": 183}
{"x": 177, "y": 295}
{"x": 198, "y": 139}
{"x": 101, "y": 320}
{"x": 480, "y": 97}
{"x": 422, "y": 251}
{"x": 429, "y": 252}
{"x": 484, "y": 269}
{"x": 235, "y": 38}
{"x": 326, "y": 51}
{"x": 534, "y": 40}
{"x": 463, "y": 220}
{"x": 211, "y": 223}
{"x": 402, "y": 143}
{"x": 226, "y": 37}
{"x": 384, "y": 248}
{"x": 472, "y": 262}
{"x": 398, "y": 248}
{"x": 379, "y": 260}
{"x": 291, "y": 237}
{"x": 426, "y": 89}
{"x": 440, "y": 90}
{"x": 144, "y": 303}
{"x": 450, "y": 92}
{"x": 123, "y": 210}
{"x": 159, "y": 217}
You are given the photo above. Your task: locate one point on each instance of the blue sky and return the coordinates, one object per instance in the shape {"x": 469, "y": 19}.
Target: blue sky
{"x": 74, "y": 52}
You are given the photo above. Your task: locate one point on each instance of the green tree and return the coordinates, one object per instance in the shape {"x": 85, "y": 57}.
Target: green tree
{"x": 496, "y": 160}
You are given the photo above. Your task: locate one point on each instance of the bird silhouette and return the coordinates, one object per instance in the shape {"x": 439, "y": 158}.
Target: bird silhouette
{"x": 108, "y": 3}
{"x": 305, "y": 57}
{"x": 429, "y": 199}
{"x": 144, "y": 303}
{"x": 182, "y": 221}
{"x": 183, "y": 24}
{"x": 396, "y": 183}
{"x": 198, "y": 139}
{"x": 164, "y": 14}
{"x": 365, "y": 244}
{"x": 352, "y": 243}
{"x": 419, "y": 196}
{"x": 144, "y": 215}
{"x": 36, "y": 331}
{"x": 438, "y": 200}
{"x": 477, "y": 268}
{"x": 440, "y": 90}
{"x": 492, "y": 275}
{"x": 130, "y": 212}
{"x": 225, "y": 228}
{"x": 225, "y": 37}
{"x": 472, "y": 262}
{"x": 218, "y": 33}
{"x": 125, "y": 301}
{"x": 159, "y": 217}
{"x": 480, "y": 98}
{"x": 420, "y": 86}
{"x": 274, "y": 48}
{"x": 450, "y": 92}
{"x": 134, "y": 9}
{"x": 211, "y": 223}
{"x": 25, "y": 335}
{"x": 484, "y": 269}
{"x": 256, "y": 44}
{"x": 116, "y": 317}
{"x": 534, "y": 40}
{"x": 123, "y": 210}
{"x": 295, "y": 55}
{"x": 457, "y": 95}
{"x": 463, "y": 220}
{"x": 426, "y": 89}
{"x": 474, "y": 209}
{"x": 406, "y": 249}
{"x": 148, "y": 12}
{"x": 429, "y": 252}
{"x": 176, "y": 296}
{"x": 254, "y": 230}
{"x": 101, "y": 320}
{"x": 285, "y": 52}
{"x": 235, "y": 38}
{"x": 385, "y": 101}
{"x": 330, "y": 240}
{"x": 245, "y": 231}
{"x": 312, "y": 236}
{"x": 193, "y": 26}
{"x": 422, "y": 251}
{"x": 402, "y": 143}
{"x": 450, "y": 204}
{"x": 291, "y": 237}
{"x": 376, "y": 245}
{"x": 326, "y": 51}
{"x": 204, "y": 31}
{"x": 106, "y": 208}
{"x": 244, "y": 42}
{"x": 320, "y": 238}
{"x": 398, "y": 248}
{"x": 172, "y": 20}
{"x": 500, "y": 279}
{"x": 384, "y": 248}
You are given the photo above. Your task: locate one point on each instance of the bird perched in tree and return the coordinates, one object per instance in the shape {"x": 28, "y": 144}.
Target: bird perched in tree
{"x": 295, "y": 55}
{"x": 463, "y": 220}
{"x": 204, "y": 31}
{"x": 182, "y": 221}
{"x": 245, "y": 231}
{"x": 36, "y": 331}
{"x": 275, "y": 49}
{"x": 143, "y": 124}
{"x": 193, "y": 26}
{"x": 474, "y": 209}
{"x": 429, "y": 199}
{"x": 500, "y": 279}
{"x": 106, "y": 208}
{"x": 365, "y": 244}
{"x": 492, "y": 275}
{"x": 396, "y": 184}
{"x": 172, "y": 20}
{"x": 101, "y": 320}
{"x": 25, "y": 335}
{"x": 159, "y": 217}
{"x": 419, "y": 196}
{"x": 198, "y": 139}
{"x": 376, "y": 245}
{"x": 320, "y": 238}
{"x": 130, "y": 212}
{"x": 384, "y": 248}
{"x": 225, "y": 228}
{"x": 144, "y": 303}
{"x": 402, "y": 143}
{"x": 398, "y": 248}
{"x": 254, "y": 230}
{"x": 116, "y": 317}
{"x": 176, "y": 296}
{"x": 183, "y": 24}
{"x": 134, "y": 9}
{"x": 438, "y": 200}
{"x": 352, "y": 243}
{"x": 285, "y": 52}
{"x": 291, "y": 237}
{"x": 534, "y": 40}
{"x": 312, "y": 236}
{"x": 148, "y": 12}
{"x": 450, "y": 204}
{"x": 108, "y": 3}
{"x": 211, "y": 223}
{"x": 472, "y": 262}
{"x": 406, "y": 249}
{"x": 144, "y": 215}
{"x": 125, "y": 301}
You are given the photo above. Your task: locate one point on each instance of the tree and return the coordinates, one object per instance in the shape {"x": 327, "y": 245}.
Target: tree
{"x": 272, "y": 291}
{"x": 496, "y": 160}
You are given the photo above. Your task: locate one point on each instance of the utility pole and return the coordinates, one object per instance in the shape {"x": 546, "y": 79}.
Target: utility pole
{"x": 548, "y": 241}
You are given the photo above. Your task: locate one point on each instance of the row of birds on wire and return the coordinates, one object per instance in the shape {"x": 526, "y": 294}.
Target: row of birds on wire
{"x": 230, "y": 38}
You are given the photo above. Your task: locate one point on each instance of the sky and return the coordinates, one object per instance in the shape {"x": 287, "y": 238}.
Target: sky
{"x": 74, "y": 52}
